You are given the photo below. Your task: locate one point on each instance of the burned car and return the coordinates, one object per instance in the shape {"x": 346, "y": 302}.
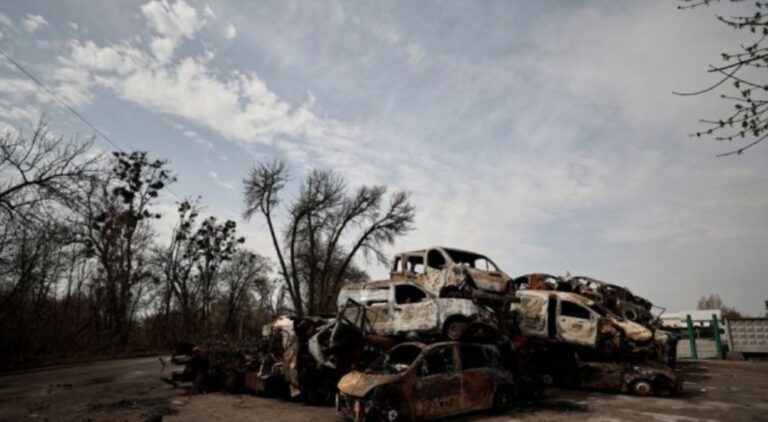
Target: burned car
{"x": 573, "y": 319}
{"x": 415, "y": 381}
{"x": 285, "y": 363}
{"x": 646, "y": 379}
{"x": 448, "y": 272}
{"x": 617, "y": 299}
{"x": 404, "y": 308}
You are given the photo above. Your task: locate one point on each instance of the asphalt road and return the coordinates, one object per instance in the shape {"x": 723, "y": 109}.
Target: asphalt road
{"x": 130, "y": 390}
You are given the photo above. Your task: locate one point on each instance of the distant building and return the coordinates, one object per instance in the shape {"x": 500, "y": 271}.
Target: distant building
{"x": 699, "y": 317}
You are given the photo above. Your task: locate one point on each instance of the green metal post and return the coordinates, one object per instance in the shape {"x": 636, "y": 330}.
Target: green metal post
{"x": 718, "y": 343}
{"x": 691, "y": 338}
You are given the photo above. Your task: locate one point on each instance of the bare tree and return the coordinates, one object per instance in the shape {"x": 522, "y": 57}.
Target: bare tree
{"x": 176, "y": 263}
{"x": 745, "y": 70}
{"x": 713, "y": 301}
{"x": 327, "y": 228}
{"x": 38, "y": 168}
{"x": 216, "y": 244}
{"x": 117, "y": 233}
{"x": 245, "y": 280}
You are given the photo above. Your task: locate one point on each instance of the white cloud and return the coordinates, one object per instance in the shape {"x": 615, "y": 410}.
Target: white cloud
{"x": 33, "y": 22}
{"x": 173, "y": 21}
{"x": 163, "y": 48}
{"x": 230, "y": 32}
{"x": 558, "y": 147}
{"x": 5, "y": 20}
{"x": 225, "y": 185}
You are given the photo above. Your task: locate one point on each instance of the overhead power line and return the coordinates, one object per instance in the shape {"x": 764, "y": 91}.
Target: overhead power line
{"x": 68, "y": 107}
{"x": 60, "y": 100}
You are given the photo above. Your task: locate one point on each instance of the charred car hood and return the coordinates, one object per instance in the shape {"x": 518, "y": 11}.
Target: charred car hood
{"x": 358, "y": 384}
{"x": 633, "y": 330}
{"x": 492, "y": 282}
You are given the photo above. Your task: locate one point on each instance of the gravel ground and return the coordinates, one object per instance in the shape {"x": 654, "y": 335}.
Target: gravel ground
{"x": 130, "y": 390}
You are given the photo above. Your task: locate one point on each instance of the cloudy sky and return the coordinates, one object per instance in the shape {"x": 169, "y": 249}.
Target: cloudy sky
{"x": 543, "y": 134}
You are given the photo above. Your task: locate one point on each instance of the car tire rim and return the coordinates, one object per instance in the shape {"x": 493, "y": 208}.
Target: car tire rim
{"x": 643, "y": 388}
{"x": 392, "y": 415}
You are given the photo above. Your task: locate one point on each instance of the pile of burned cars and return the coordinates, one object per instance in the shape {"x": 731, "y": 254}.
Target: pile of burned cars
{"x": 450, "y": 332}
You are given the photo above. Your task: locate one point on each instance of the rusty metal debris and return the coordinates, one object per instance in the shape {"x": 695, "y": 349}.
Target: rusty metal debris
{"x": 448, "y": 332}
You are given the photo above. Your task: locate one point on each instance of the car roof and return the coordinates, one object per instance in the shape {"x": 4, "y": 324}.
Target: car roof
{"x": 444, "y": 248}
{"x": 564, "y": 295}
{"x": 377, "y": 284}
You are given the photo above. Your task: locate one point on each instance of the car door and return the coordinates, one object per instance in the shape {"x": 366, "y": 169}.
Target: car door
{"x": 413, "y": 309}
{"x": 379, "y": 310}
{"x": 533, "y": 315}
{"x": 437, "y": 384}
{"x": 576, "y": 324}
{"x": 476, "y": 379}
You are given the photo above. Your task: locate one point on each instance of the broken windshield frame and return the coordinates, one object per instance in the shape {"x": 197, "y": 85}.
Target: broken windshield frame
{"x": 472, "y": 260}
{"x": 397, "y": 361}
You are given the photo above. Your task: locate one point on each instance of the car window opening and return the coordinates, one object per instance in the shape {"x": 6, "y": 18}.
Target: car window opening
{"x": 471, "y": 260}
{"x": 437, "y": 361}
{"x": 409, "y": 294}
{"x": 435, "y": 259}
{"x": 571, "y": 309}
{"x": 398, "y": 360}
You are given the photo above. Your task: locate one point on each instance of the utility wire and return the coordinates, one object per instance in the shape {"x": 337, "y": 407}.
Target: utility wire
{"x": 68, "y": 107}
{"x": 60, "y": 100}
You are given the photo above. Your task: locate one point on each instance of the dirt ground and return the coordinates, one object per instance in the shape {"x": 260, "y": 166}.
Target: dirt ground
{"x": 130, "y": 390}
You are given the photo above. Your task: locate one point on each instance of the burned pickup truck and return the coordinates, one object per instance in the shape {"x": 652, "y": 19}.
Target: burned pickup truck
{"x": 406, "y": 309}
{"x": 447, "y": 272}
{"x": 415, "y": 381}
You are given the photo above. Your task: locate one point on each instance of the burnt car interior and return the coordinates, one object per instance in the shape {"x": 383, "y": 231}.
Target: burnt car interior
{"x": 398, "y": 360}
{"x": 472, "y": 260}
{"x": 405, "y": 294}
{"x": 437, "y": 361}
{"x": 571, "y": 309}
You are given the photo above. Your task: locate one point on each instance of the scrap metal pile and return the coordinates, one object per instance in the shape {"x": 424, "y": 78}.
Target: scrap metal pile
{"x": 448, "y": 332}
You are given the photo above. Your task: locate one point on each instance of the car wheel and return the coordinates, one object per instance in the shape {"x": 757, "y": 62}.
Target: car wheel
{"x": 455, "y": 329}
{"x": 547, "y": 380}
{"x": 642, "y": 388}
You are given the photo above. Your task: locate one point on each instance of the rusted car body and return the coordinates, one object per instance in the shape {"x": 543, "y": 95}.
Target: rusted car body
{"x": 404, "y": 308}
{"x": 285, "y": 361}
{"x": 448, "y": 272}
{"x": 415, "y": 381}
{"x": 268, "y": 373}
{"x": 576, "y": 320}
